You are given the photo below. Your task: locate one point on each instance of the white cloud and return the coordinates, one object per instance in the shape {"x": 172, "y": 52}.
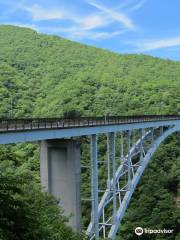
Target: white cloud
{"x": 82, "y": 26}
{"x": 129, "y": 6}
{"x": 89, "y": 26}
{"x": 117, "y": 16}
{"x": 137, "y": 6}
{"x": 157, "y": 44}
{"x": 38, "y": 13}
{"x": 92, "y": 21}
{"x": 94, "y": 35}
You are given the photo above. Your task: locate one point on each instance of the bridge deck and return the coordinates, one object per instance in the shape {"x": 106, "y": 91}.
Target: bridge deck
{"x": 19, "y": 125}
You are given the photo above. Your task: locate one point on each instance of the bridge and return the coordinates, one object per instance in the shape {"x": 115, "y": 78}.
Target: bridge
{"x": 130, "y": 144}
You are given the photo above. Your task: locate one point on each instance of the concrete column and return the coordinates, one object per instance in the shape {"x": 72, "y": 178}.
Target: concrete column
{"x": 60, "y": 176}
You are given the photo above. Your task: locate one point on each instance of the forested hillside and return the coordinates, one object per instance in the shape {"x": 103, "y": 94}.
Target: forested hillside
{"x": 46, "y": 75}
{"x": 42, "y": 76}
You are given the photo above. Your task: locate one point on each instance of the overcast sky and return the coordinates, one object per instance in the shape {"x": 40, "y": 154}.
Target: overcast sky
{"x": 124, "y": 26}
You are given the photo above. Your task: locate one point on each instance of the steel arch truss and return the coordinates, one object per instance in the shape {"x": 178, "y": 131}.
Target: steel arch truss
{"x": 123, "y": 174}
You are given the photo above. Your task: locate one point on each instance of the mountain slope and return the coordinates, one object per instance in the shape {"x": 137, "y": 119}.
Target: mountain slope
{"x": 57, "y": 75}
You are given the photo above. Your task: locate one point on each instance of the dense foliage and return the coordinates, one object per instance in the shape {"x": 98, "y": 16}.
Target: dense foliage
{"x": 26, "y": 212}
{"x": 42, "y": 76}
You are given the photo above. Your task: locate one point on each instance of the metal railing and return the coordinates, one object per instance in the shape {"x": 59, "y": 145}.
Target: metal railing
{"x": 7, "y": 125}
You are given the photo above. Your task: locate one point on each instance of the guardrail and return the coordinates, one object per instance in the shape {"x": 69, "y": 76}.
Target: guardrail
{"x": 7, "y": 125}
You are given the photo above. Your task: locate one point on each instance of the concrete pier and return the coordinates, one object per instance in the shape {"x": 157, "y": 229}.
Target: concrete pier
{"x": 60, "y": 176}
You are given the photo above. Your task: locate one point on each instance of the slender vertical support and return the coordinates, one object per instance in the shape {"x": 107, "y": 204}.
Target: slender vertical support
{"x": 152, "y": 136}
{"x": 108, "y": 164}
{"x": 94, "y": 185}
{"x": 161, "y": 130}
{"x": 104, "y": 227}
{"x": 129, "y": 160}
{"x": 129, "y": 141}
{"x": 119, "y": 193}
{"x": 143, "y": 131}
{"x": 114, "y": 176}
{"x": 134, "y": 137}
{"x": 141, "y": 145}
{"x": 122, "y": 147}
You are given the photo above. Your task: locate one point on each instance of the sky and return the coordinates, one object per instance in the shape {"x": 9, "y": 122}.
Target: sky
{"x": 124, "y": 26}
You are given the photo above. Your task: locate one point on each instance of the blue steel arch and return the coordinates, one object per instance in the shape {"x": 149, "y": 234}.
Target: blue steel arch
{"x": 136, "y": 179}
{"x": 107, "y": 196}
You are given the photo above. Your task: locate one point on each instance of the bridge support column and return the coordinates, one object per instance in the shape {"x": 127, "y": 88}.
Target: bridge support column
{"x": 94, "y": 185}
{"x": 60, "y": 176}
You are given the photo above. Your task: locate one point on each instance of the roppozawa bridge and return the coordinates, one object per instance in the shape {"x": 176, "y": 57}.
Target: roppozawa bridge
{"x": 130, "y": 143}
